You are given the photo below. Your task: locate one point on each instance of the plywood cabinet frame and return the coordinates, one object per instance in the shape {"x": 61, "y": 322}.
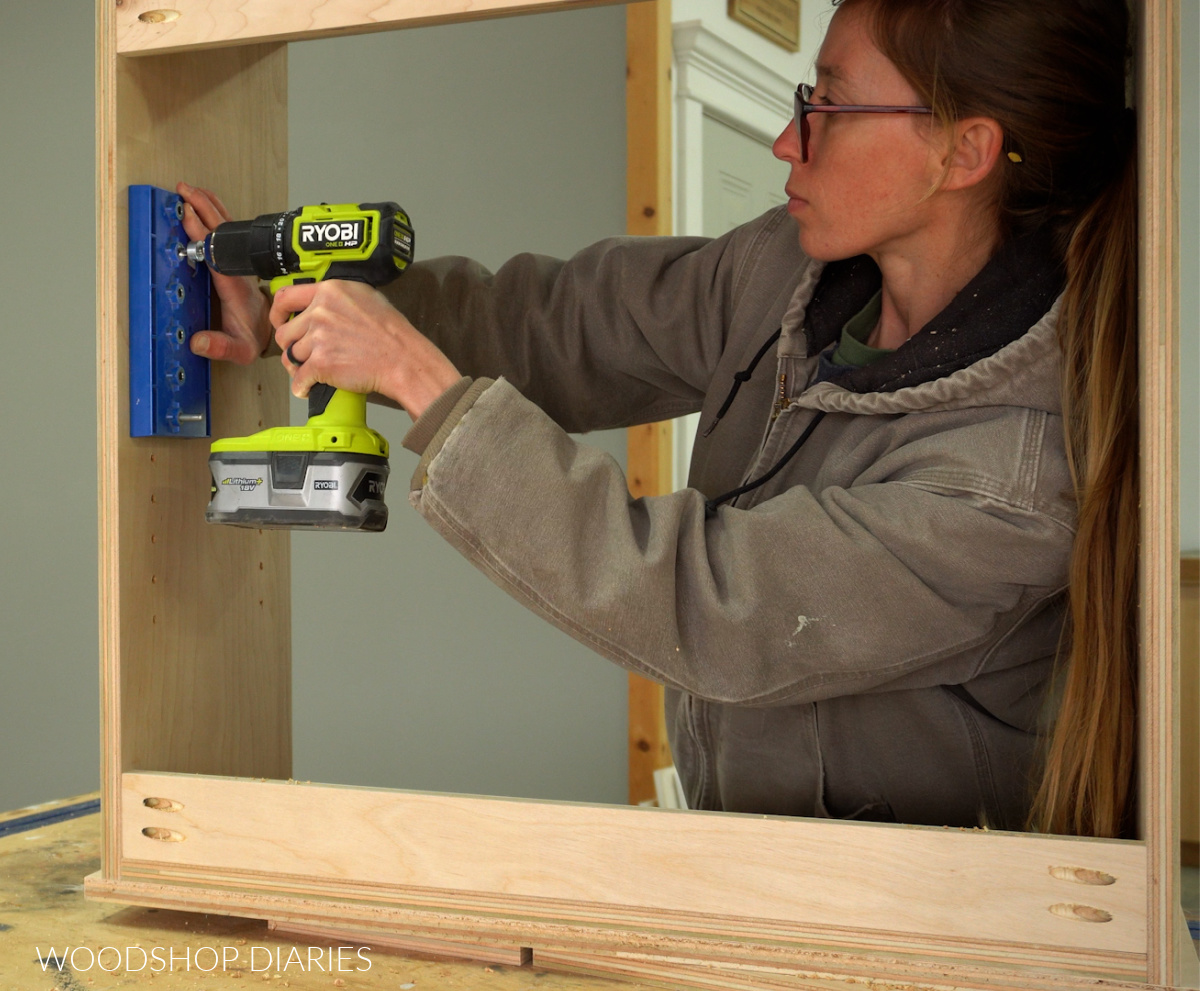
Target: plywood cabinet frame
{"x": 199, "y": 811}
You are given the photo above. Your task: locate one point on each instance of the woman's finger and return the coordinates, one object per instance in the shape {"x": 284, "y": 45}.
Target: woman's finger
{"x": 219, "y": 346}
{"x": 216, "y": 201}
{"x": 202, "y": 201}
{"x": 193, "y": 225}
{"x": 289, "y": 300}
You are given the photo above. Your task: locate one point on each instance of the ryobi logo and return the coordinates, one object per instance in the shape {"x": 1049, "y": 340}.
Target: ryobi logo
{"x": 333, "y": 234}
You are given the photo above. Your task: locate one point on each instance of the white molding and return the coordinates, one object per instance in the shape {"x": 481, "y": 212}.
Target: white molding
{"x": 716, "y": 79}
{"x": 729, "y": 84}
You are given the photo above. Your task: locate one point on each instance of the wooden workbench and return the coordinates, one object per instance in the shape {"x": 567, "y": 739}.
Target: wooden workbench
{"x": 42, "y": 906}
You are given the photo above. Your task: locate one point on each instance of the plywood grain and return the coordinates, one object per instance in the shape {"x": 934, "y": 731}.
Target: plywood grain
{"x": 917, "y": 881}
{"x": 145, "y": 26}
{"x": 195, "y": 619}
{"x": 1158, "y": 354}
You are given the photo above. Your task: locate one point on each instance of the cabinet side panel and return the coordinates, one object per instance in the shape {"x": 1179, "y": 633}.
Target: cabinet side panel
{"x": 197, "y": 617}
{"x": 1158, "y": 279}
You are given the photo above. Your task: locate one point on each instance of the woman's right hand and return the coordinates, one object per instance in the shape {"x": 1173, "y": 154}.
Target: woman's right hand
{"x": 245, "y": 331}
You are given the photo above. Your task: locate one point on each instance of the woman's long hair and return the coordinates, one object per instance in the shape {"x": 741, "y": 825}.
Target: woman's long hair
{"x": 1052, "y": 73}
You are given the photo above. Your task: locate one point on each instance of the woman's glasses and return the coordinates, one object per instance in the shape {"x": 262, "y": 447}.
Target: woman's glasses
{"x": 804, "y": 107}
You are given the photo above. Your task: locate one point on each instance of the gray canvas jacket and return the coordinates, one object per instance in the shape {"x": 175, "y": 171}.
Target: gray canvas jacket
{"x": 867, "y": 635}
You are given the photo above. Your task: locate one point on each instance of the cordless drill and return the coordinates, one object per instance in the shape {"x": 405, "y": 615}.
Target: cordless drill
{"x": 331, "y": 473}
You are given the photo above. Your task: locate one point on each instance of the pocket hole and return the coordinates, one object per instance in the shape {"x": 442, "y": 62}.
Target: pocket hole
{"x": 1082, "y": 875}
{"x": 163, "y": 804}
{"x": 165, "y": 835}
{"x": 158, "y": 16}
{"x": 1081, "y": 913}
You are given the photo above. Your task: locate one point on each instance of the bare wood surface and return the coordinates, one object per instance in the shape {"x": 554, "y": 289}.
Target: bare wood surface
{"x": 42, "y": 905}
{"x": 510, "y": 955}
{"x": 205, "y": 24}
{"x": 649, "y": 460}
{"x": 1158, "y": 117}
{"x": 648, "y": 212}
{"x": 710, "y": 976}
{"x": 1189, "y": 707}
{"x": 195, "y": 619}
{"x": 648, "y": 117}
{"x": 463, "y": 851}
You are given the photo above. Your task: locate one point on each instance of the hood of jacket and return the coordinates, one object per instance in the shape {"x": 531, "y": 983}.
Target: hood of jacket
{"x": 994, "y": 344}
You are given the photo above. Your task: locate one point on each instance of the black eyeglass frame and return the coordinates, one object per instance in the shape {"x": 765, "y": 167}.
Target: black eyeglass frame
{"x": 803, "y": 108}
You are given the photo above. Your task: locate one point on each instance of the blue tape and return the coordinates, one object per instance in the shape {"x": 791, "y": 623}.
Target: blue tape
{"x": 49, "y": 817}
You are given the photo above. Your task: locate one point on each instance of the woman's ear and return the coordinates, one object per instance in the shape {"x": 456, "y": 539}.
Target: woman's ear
{"x": 977, "y": 145}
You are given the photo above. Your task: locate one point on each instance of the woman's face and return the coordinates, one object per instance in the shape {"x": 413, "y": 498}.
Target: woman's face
{"x": 864, "y": 188}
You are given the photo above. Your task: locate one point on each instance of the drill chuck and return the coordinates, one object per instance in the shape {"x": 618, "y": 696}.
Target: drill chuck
{"x": 249, "y": 247}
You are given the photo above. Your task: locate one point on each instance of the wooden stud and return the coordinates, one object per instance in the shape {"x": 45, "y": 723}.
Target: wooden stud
{"x": 648, "y": 117}
{"x": 649, "y": 474}
{"x": 1189, "y": 710}
{"x": 648, "y": 212}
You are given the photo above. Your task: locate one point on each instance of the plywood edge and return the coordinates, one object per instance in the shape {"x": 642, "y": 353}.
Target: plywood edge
{"x": 207, "y": 24}
{"x": 579, "y": 939}
{"x": 107, "y": 462}
{"x": 1158, "y": 112}
{"x": 698, "y": 973}
{"x": 482, "y": 952}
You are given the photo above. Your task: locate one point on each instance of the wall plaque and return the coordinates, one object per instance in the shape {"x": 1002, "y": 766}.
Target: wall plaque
{"x": 778, "y": 20}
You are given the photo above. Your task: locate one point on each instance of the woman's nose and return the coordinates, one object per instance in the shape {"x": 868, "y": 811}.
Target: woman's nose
{"x": 787, "y": 146}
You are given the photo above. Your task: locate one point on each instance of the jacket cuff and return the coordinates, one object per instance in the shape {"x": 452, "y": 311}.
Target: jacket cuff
{"x": 429, "y": 432}
{"x": 426, "y": 425}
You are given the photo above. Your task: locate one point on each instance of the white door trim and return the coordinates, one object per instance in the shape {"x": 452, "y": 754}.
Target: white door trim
{"x": 714, "y": 78}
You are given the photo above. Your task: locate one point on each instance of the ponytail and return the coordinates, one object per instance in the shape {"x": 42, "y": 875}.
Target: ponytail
{"x": 1088, "y": 781}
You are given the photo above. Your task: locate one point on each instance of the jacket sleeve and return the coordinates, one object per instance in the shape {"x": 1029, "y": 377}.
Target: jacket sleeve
{"x": 805, "y": 596}
{"x": 627, "y": 331}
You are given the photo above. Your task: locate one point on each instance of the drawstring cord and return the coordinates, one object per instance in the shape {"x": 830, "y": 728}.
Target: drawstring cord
{"x": 711, "y": 505}
{"x": 739, "y": 378}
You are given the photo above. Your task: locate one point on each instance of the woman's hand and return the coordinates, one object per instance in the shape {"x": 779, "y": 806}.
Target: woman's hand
{"x": 348, "y": 335}
{"x": 244, "y": 332}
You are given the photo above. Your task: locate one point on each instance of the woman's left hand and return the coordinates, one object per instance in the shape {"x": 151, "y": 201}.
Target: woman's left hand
{"x": 348, "y": 335}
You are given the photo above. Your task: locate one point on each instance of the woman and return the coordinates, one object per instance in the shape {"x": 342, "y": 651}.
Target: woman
{"x": 916, "y": 424}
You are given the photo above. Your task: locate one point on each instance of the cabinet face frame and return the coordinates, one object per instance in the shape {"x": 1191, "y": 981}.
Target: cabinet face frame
{"x": 195, "y": 667}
